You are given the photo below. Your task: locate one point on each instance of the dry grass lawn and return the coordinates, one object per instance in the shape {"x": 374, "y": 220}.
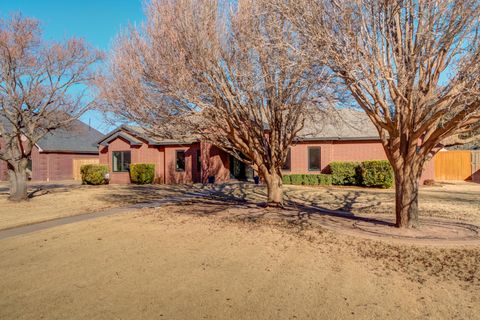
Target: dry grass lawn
{"x": 158, "y": 264}
{"x": 68, "y": 199}
{"x": 457, "y": 201}
{"x": 216, "y": 258}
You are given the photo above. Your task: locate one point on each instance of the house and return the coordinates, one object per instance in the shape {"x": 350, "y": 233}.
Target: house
{"x": 56, "y": 155}
{"x": 349, "y": 136}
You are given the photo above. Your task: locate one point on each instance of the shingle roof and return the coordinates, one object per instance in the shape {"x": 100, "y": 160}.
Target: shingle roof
{"x": 139, "y": 132}
{"x": 341, "y": 124}
{"x": 76, "y": 138}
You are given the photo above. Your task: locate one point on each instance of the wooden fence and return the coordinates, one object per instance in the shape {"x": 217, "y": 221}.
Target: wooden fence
{"x": 476, "y": 166}
{"x": 77, "y": 163}
{"x": 453, "y": 165}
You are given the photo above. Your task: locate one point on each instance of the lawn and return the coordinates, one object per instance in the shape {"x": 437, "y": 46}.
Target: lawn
{"x": 156, "y": 264}
{"x": 457, "y": 201}
{"x": 224, "y": 257}
{"x": 56, "y": 200}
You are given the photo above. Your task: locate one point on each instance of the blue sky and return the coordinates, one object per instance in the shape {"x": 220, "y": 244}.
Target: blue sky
{"x": 97, "y": 21}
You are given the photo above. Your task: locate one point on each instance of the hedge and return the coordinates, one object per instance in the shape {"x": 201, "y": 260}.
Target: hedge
{"x": 307, "y": 179}
{"x": 377, "y": 173}
{"x": 142, "y": 173}
{"x": 345, "y": 173}
{"x": 93, "y": 174}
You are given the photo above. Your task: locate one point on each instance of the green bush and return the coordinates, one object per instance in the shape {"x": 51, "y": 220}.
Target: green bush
{"x": 296, "y": 179}
{"x": 93, "y": 174}
{"x": 308, "y": 179}
{"x": 345, "y": 173}
{"x": 377, "y": 173}
{"x": 142, "y": 173}
{"x": 324, "y": 179}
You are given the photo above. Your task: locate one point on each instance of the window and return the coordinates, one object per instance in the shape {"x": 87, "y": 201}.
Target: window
{"x": 121, "y": 161}
{"x": 199, "y": 161}
{"x": 288, "y": 162}
{"x": 180, "y": 160}
{"x": 314, "y": 159}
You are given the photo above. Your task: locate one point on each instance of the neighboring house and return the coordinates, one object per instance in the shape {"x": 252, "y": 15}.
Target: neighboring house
{"x": 349, "y": 136}
{"x": 54, "y": 156}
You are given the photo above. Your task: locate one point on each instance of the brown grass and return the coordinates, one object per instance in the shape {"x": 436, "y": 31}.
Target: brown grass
{"x": 51, "y": 201}
{"x": 159, "y": 264}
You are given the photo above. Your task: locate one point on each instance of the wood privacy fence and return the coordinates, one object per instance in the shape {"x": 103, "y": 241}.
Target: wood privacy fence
{"x": 476, "y": 166}
{"x": 78, "y": 163}
{"x": 457, "y": 165}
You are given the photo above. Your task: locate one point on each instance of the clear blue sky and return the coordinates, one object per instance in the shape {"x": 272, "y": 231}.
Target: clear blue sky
{"x": 97, "y": 21}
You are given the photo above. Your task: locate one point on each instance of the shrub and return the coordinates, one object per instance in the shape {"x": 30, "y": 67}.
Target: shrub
{"x": 308, "y": 179}
{"x": 296, "y": 179}
{"x": 345, "y": 173}
{"x": 324, "y": 179}
{"x": 286, "y": 179}
{"x": 93, "y": 174}
{"x": 377, "y": 173}
{"x": 142, "y": 173}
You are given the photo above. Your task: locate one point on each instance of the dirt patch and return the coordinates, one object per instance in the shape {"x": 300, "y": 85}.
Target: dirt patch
{"x": 164, "y": 265}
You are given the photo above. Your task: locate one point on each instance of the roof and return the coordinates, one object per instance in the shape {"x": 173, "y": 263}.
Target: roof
{"x": 78, "y": 137}
{"x": 342, "y": 124}
{"x": 133, "y": 133}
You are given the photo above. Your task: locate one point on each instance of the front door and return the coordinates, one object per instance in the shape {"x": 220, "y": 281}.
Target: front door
{"x": 237, "y": 169}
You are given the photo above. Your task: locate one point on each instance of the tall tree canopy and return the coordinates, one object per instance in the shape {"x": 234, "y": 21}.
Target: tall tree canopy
{"x": 236, "y": 67}
{"x": 41, "y": 89}
{"x": 412, "y": 65}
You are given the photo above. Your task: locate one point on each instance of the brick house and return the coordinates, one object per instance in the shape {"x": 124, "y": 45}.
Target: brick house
{"x": 54, "y": 155}
{"x": 185, "y": 161}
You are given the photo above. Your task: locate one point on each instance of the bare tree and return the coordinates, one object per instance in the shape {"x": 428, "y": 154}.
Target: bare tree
{"x": 37, "y": 80}
{"x": 412, "y": 66}
{"x": 235, "y": 68}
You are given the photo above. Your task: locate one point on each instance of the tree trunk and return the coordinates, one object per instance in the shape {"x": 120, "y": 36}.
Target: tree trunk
{"x": 274, "y": 189}
{"x": 406, "y": 196}
{"x": 18, "y": 180}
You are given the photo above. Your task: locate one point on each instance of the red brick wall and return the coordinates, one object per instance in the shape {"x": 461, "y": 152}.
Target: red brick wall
{"x": 334, "y": 151}
{"x": 215, "y": 162}
{"x": 190, "y": 174}
{"x": 139, "y": 154}
{"x": 163, "y": 157}
{"x": 49, "y": 166}
{"x": 299, "y": 156}
{"x": 3, "y": 171}
{"x": 54, "y": 166}
{"x": 342, "y": 151}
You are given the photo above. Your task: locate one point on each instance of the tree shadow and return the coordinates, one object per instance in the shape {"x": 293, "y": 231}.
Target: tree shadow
{"x": 247, "y": 195}
{"x": 135, "y": 194}
{"x": 37, "y": 189}
{"x": 244, "y": 201}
